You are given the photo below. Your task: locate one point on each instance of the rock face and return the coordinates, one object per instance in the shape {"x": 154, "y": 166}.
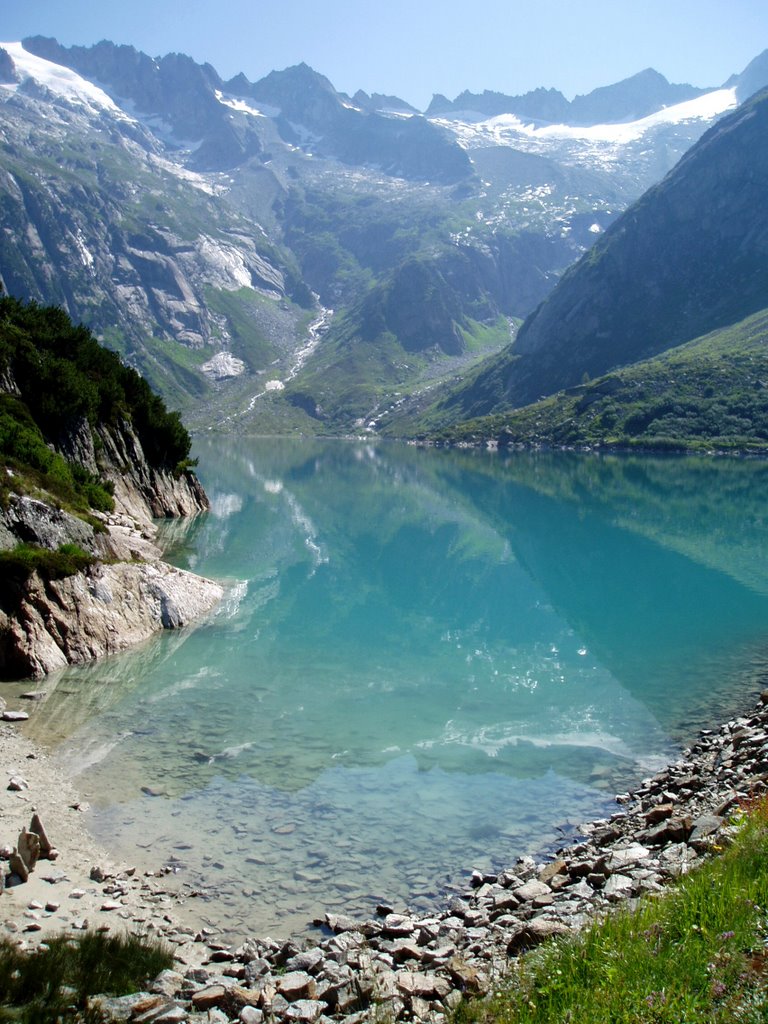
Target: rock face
{"x": 102, "y": 611}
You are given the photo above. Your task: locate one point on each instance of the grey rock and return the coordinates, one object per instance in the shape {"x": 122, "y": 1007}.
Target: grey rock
{"x": 532, "y": 890}
{"x": 118, "y": 1008}
{"x": 305, "y": 1010}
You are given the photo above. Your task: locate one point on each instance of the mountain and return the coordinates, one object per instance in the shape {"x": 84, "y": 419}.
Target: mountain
{"x": 689, "y": 257}
{"x": 279, "y": 256}
{"x": 636, "y": 97}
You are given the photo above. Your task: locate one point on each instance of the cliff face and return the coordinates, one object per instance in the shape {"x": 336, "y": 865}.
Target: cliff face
{"x": 46, "y": 624}
{"x": 142, "y": 491}
{"x": 101, "y": 611}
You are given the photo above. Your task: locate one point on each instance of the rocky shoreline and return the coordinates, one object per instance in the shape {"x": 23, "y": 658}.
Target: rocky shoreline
{"x": 408, "y": 967}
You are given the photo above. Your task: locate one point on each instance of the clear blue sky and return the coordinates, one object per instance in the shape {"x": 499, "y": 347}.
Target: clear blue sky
{"x": 413, "y": 48}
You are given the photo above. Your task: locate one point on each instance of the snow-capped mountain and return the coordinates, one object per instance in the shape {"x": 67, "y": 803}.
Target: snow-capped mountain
{"x": 197, "y": 223}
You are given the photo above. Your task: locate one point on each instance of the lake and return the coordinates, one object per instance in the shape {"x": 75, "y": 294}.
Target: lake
{"x": 426, "y": 662}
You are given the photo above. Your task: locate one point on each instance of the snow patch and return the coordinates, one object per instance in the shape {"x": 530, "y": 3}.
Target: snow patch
{"x": 234, "y": 103}
{"x": 510, "y": 130}
{"x": 60, "y": 80}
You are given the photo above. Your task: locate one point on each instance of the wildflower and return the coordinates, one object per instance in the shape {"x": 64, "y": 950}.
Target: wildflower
{"x": 654, "y": 999}
{"x": 724, "y": 936}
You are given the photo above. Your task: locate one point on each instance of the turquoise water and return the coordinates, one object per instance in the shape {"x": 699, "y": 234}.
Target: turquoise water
{"x": 426, "y": 662}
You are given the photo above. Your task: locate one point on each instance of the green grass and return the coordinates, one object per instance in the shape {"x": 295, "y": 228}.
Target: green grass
{"x": 20, "y": 562}
{"x": 697, "y": 954}
{"x": 54, "y": 983}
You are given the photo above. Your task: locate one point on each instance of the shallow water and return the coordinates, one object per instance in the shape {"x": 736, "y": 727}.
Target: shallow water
{"x": 426, "y": 662}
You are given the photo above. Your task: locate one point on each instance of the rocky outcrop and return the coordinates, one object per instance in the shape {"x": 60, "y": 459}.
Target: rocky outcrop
{"x": 101, "y": 611}
{"x": 143, "y": 491}
{"x": 46, "y": 624}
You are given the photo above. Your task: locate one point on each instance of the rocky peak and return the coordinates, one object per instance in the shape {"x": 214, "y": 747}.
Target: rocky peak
{"x": 629, "y": 100}
{"x": 379, "y": 101}
{"x": 174, "y": 87}
{"x": 7, "y": 68}
{"x": 303, "y": 96}
{"x": 753, "y": 78}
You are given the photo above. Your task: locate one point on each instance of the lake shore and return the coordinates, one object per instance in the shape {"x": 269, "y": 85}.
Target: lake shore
{"x": 83, "y": 887}
{"x": 416, "y": 966}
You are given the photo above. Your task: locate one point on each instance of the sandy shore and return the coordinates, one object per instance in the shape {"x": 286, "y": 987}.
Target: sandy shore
{"x": 82, "y": 887}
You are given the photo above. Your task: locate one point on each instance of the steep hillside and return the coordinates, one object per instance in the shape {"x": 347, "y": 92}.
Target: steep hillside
{"x": 689, "y": 257}
{"x": 708, "y": 394}
{"x": 88, "y": 456}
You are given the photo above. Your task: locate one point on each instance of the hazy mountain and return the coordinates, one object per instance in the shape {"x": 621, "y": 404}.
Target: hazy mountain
{"x": 642, "y": 94}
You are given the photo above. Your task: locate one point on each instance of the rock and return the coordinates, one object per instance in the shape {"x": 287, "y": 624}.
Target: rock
{"x": 150, "y": 1008}
{"x": 623, "y": 858}
{"x": 618, "y": 886}
{"x": 557, "y": 867}
{"x": 308, "y": 960}
{"x": 36, "y": 826}
{"x": 305, "y": 1010}
{"x": 534, "y": 933}
{"x": 399, "y": 924}
{"x": 658, "y": 813}
{"x": 15, "y": 716}
{"x": 99, "y": 873}
{"x": 297, "y": 985}
{"x": 117, "y": 1008}
{"x": 250, "y": 1015}
{"x": 208, "y": 998}
{"x": 173, "y": 1015}
{"x": 17, "y": 784}
{"x": 704, "y": 827}
{"x": 341, "y": 923}
{"x": 420, "y": 984}
{"x": 673, "y": 830}
{"x": 532, "y": 890}
{"x": 468, "y": 978}
{"x": 28, "y": 846}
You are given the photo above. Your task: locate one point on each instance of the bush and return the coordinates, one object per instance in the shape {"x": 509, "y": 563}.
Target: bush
{"x": 65, "y": 376}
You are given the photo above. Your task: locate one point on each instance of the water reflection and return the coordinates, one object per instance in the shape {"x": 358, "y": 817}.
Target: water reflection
{"x": 415, "y": 644}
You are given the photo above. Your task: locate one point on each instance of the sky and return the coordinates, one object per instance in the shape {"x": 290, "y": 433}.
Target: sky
{"x": 414, "y": 48}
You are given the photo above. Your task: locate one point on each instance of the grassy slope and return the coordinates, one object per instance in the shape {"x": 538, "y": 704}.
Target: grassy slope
{"x": 711, "y": 393}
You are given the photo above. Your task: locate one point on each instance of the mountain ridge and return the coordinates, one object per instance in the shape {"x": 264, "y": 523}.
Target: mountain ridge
{"x": 689, "y": 257}
{"x": 205, "y": 260}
